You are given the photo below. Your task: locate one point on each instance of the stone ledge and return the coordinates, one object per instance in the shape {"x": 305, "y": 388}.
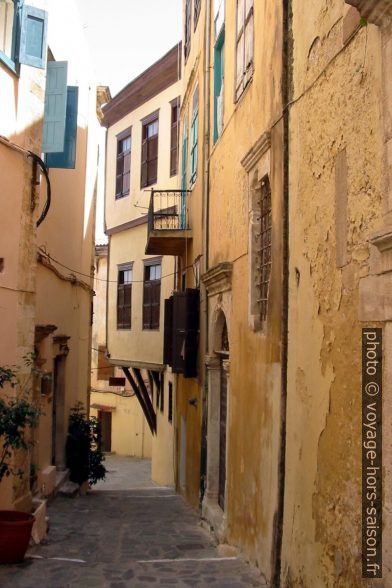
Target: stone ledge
{"x": 218, "y": 278}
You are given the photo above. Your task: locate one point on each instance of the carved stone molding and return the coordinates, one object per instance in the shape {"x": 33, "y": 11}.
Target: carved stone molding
{"x": 378, "y": 12}
{"x": 218, "y": 278}
{"x": 257, "y": 150}
{"x": 382, "y": 240}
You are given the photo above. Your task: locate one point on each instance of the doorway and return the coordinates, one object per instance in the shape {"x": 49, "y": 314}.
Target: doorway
{"x": 105, "y": 421}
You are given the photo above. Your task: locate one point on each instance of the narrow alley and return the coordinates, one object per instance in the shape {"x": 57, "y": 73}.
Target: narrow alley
{"x": 126, "y": 532}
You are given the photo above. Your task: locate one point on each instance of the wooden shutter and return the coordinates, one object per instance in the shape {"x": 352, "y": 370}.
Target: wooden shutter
{"x": 192, "y": 333}
{"x": 168, "y": 332}
{"x": 147, "y": 305}
{"x": 143, "y": 181}
{"x": 33, "y": 32}
{"x": 179, "y": 323}
{"x": 152, "y": 160}
{"x": 127, "y": 306}
{"x": 67, "y": 158}
{"x": 55, "y": 107}
{"x": 155, "y": 303}
{"x": 120, "y": 306}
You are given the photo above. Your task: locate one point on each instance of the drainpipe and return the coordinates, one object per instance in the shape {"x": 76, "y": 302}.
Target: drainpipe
{"x": 205, "y": 228}
{"x": 287, "y": 72}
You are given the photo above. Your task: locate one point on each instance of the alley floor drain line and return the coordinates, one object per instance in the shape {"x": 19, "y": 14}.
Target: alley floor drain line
{"x": 58, "y": 558}
{"x": 181, "y": 559}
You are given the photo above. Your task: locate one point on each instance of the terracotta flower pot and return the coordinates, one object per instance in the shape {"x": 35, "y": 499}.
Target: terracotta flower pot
{"x": 15, "y": 531}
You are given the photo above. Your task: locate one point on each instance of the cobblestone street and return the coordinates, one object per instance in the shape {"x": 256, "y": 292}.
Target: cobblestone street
{"x": 126, "y": 532}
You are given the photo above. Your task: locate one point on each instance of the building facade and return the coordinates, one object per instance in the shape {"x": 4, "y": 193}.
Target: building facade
{"x": 49, "y": 103}
{"x": 141, "y": 157}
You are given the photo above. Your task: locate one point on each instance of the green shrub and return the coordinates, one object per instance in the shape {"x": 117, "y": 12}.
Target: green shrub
{"x": 84, "y": 457}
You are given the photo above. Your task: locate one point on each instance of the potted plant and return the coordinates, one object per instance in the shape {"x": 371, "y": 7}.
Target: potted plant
{"x": 17, "y": 416}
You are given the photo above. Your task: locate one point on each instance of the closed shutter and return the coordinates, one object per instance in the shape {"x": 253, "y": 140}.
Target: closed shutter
{"x": 168, "y": 332}
{"x": 67, "y": 158}
{"x": 155, "y": 303}
{"x": 143, "y": 181}
{"x": 120, "y": 305}
{"x": 173, "y": 149}
{"x": 152, "y": 163}
{"x": 147, "y": 305}
{"x": 127, "y": 305}
{"x": 55, "y": 107}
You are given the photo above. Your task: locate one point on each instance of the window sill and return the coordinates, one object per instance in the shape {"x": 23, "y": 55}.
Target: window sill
{"x": 237, "y": 99}
{"x": 124, "y": 328}
{"x": 155, "y": 329}
{"x": 9, "y": 64}
{"x": 119, "y": 196}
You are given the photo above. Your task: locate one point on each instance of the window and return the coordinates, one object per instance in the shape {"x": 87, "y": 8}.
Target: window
{"x": 188, "y": 18}
{"x": 196, "y": 13}
{"x": 219, "y": 16}
{"x": 265, "y": 245}
{"x": 124, "y": 296}
{"x": 244, "y": 45}
{"x": 123, "y": 166}
{"x": 194, "y": 134}
{"x": 151, "y": 294}
{"x": 175, "y": 108}
{"x": 22, "y": 34}
{"x": 218, "y": 84}
{"x": 150, "y": 126}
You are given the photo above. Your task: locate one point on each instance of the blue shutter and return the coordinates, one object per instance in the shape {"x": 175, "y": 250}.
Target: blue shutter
{"x": 33, "y": 31}
{"x": 184, "y": 165}
{"x": 66, "y": 159}
{"x": 55, "y": 107}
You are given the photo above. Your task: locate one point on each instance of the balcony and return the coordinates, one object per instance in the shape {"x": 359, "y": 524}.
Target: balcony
{"x": 168, "y": 222}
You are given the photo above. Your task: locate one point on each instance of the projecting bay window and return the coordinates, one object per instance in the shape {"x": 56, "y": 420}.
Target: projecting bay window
{"x": 175, "y": 108}
{"x": 124, "y": 296}
{"x": 151, "y": 294}
{"x": 123, "y": 165}
{"x": 194, "y": 134}
{"x": 149, "y": 170}
{"x": 244, "y": 46}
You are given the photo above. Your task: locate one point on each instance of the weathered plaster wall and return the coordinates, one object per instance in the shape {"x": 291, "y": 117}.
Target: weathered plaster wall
{"x": 333, "y": 209}
{"x": 255, "y": 357}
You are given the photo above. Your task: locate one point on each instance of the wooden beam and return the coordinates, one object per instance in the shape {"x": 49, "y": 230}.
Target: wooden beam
{"x": 138, "y": 393}
{"x": 147, "y": 399}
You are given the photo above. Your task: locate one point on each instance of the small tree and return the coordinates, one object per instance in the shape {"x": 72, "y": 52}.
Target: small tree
{"x": 84, "y": 457}
{"x": 17, "y": 415}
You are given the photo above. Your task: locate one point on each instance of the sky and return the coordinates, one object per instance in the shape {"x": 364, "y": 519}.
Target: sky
{"x": 127, "y": 36}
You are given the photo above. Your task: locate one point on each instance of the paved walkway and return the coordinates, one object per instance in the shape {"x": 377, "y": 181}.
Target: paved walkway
{"x": 138, "y": 535}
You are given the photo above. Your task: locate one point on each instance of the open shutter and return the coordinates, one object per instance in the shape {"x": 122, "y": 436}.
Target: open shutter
{"x": 179, "y": 321}
{"x": 192, "y": 333}
{"x": 143, "y": 182}
{"x": 55, "y": 107}
{"x": 168, "y": 332}
{"x": 67, "y": 158}
{"x": 33, "y": 31}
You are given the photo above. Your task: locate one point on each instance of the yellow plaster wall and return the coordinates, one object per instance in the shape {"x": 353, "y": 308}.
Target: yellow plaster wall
{"x": 130, "y": 432}
{"x": 162, "y": 465}
{"x": 322, "y": 522}
{"x": 125, "y": 209}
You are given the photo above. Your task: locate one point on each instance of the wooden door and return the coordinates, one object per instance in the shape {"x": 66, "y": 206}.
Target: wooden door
{"x": 105, "y": 420}
{"x": 223, "y": 417}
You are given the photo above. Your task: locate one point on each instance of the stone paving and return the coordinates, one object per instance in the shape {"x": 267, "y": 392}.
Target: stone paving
{"x": 138, "y": 535}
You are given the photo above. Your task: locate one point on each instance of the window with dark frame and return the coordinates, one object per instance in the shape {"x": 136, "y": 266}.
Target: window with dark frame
{"x": 196, "y": 13}
{"x": 170, "y": 403}
{"x": 175, "y": 109}
{"x": 265, "y": 245}
{"x": 244, "y": 46}
{"x": 124, "y": 297}
{"x": 187, "y": 34}
{"x": 149, "y": 169}
{"x": 123, "y": 166}
{"x": 151, "y": 294}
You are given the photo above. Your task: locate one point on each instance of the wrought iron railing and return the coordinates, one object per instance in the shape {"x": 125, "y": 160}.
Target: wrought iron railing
{"x": 168, "y": 210}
